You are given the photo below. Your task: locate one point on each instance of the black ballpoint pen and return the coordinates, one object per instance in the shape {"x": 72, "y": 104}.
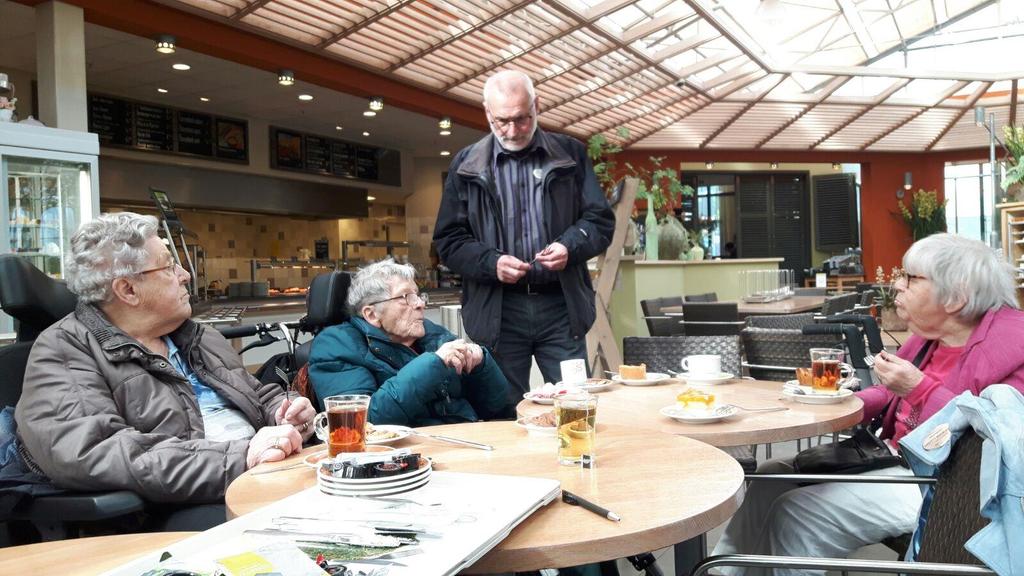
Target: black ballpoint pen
{"x": 570, "y": 498}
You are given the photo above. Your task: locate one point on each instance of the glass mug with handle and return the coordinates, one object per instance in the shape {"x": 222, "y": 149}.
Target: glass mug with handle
{"x": 345, "y": 429}
{"x": 827, "y": 369}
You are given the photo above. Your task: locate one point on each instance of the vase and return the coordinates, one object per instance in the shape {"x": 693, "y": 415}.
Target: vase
{"x": 891, "y": 321}
{"x": 651, "y": 236}
{"x": 697, "y": 252}
{"x": 673, "y": 241}
{"x": 6, "y": 114}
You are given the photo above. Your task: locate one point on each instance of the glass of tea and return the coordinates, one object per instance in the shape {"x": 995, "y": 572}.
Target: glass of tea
{"x": 346, "y": 423}
{"x": 826, "y": 369}
{"x": 575, "y": 419}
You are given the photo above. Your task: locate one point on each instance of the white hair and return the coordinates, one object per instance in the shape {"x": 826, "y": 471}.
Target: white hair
{"x": 111, "y": 246}
{"x": 963, "y": 270}
{"x": 508, "y": 82}
{"x": 373, "y": 283}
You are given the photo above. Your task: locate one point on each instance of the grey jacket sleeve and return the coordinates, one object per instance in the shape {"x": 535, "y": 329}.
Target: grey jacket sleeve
{"x": 74, "y": 429}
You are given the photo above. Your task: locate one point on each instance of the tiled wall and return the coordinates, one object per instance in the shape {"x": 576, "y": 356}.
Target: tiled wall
{"x": 231, "y": 241}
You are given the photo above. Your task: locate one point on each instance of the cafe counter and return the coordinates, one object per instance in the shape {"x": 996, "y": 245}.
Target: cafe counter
{"x": 643, "y": 279}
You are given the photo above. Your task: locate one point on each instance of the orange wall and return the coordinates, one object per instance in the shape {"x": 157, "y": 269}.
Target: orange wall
{"x": 884, "y": 235}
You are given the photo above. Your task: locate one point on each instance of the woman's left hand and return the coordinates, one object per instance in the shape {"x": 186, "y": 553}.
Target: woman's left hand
{"x": 299, "y": 413}
{"x": 897, "y": 374}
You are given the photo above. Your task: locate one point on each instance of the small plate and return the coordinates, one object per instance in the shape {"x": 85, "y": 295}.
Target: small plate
{"x": 401, "y": 431}
{"x": 371, "y": 483}
{"x": 313, "y": 460}
{"x": 596, "y": 384}
{"x": 719, "y": 413}
{"x": 809, "y": 397}
{"x": 539, "y": 399}
{"x": 385, "y": 491}
{"x": 652, "y": 379}
{"x": 719, "y": 378}
{"x": 535, "y": 430}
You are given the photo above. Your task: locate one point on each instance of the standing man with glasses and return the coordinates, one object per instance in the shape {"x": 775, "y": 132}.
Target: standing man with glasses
{"x": 521, "y": 214}
{"x": 417, "y": 373}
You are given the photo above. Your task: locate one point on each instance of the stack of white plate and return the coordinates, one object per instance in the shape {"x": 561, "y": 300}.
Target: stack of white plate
{"x": 374, "y": 486}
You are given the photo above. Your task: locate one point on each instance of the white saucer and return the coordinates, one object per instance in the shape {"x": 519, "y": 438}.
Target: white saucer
{"x": 652, "y": 378}
{"x": 537, "y": 399}
{"x": 719, "y": 378}
{"x": 535, "y": 430}
{"x": 811, "y": 397}
{"x": 401, "y": 431}
{"x": 722, "y": 412}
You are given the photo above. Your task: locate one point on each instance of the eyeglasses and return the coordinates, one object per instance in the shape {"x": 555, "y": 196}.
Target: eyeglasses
{"x": 520, "y": 121}
{"x": 910, "y": 277}
{"x": 411, "y": 299}
{"x": 173, "y": 267}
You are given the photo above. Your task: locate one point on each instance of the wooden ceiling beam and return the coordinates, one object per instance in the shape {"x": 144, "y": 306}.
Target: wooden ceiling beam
{"x": 895, "y": 87}
{"x": 364, "y": 23}
{"x": 968, "y": 106}
{"x": 725, "y": 126}
{"x": 248, "y": 9}
{"x": 836, "y": 83}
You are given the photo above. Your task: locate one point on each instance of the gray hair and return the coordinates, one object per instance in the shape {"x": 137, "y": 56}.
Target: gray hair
{"x": 509, "y": 82}
{"x": 963, "y": 270}
{"x": 373, "y": 283}
{"x": 111, "y": 246}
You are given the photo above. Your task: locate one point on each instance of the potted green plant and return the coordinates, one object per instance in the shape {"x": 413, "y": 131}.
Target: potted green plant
{"x": 658, "y": 184}
{"x": 925, "y": 215}
{"x": 1011, "y": 181}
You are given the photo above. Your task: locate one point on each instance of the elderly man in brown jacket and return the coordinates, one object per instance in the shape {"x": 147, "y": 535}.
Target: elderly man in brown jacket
{"x": 128, "y": 393}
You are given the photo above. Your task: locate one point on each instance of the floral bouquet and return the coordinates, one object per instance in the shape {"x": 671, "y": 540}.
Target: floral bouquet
{"x": 926, "y": 215}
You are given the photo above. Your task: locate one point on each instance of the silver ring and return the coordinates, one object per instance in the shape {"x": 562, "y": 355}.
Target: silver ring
{"x": 304, "y": 427}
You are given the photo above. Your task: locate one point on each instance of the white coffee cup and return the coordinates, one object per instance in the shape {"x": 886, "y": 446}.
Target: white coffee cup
{"x": 702, "y": 364}
{"x": 574, "y": 371}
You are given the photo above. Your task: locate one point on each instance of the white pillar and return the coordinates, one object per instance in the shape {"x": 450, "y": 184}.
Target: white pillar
{"x": 60, "y": 66}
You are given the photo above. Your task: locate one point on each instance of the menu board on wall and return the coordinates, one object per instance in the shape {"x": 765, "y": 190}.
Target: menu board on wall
{"x": 195, "y": 133}
{"x": 111, "y": 120}
{"x": 319, "y": 155}
{"x": 145, "y": 126}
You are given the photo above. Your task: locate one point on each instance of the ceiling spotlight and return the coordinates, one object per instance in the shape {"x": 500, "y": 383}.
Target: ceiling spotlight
{"x": 376, "y": 103}
{"x": 305, "y": 97}
{"x": 371, "y": 198}
{"x": 285, "y": 77}
{"x": 369, "y": 113}
{"x": 204, "y": 99}
{"x": 338, "y": 128}
{"x": 835, "y": 166}
{"x": 181, "y": 67}
{"x": 774, "y": 165}
{"x": 709, "y": 165}
{"x": 162, "y": 90}
{"x": 165, "y": 44}
{"x": 445, "y": 132}
{"x": 445, "y": 123}
{"x": 366, "y": 133}
{"x": 445, "y": 153}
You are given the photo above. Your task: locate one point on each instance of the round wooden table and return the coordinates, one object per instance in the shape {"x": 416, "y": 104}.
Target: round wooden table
{"x": 638, "y": 406}
{"x": 649, "y": 479}
{"x": 84, "y": 556}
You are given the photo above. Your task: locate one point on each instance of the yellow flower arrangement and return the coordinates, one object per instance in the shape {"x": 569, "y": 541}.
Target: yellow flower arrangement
{"x": 886, "y": 293}
{"x": 926, "y": 215}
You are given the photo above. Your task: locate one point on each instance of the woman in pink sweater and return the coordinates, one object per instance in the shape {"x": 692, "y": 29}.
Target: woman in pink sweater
{"x": 959, "y": 300}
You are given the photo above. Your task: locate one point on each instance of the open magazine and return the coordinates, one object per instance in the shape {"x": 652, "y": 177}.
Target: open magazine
{"x": 438, "y": 529}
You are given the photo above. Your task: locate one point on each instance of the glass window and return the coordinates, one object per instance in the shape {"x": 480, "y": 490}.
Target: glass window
{"x": 968, "y": 199}
{"x": 715, "y": 217}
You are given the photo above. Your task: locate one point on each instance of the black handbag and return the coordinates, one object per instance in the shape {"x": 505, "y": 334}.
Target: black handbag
{"x": 863, "y": 451}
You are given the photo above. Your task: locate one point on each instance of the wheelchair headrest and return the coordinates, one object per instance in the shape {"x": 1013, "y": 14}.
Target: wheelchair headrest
{"x": 325, "y": 300}
{"x": 32, "y": 298}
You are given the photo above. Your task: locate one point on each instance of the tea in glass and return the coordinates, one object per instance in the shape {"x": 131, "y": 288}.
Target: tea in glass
{"x": 825, "y": 369}
{"x": 575, "y": 419}
{"x": 346, "y": 423}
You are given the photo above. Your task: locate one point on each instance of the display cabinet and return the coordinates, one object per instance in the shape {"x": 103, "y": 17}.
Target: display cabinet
{"x": 51, "y": 187}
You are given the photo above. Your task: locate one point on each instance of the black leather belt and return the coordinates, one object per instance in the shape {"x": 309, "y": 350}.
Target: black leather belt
{"x": 533, "y": 289}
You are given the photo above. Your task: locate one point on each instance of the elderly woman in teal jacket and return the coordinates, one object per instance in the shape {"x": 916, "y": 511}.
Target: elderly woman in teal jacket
{"x": 417, "y": 373}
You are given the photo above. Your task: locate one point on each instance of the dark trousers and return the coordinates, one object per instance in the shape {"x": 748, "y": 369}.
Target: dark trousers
{"x": 534, "y": 326}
